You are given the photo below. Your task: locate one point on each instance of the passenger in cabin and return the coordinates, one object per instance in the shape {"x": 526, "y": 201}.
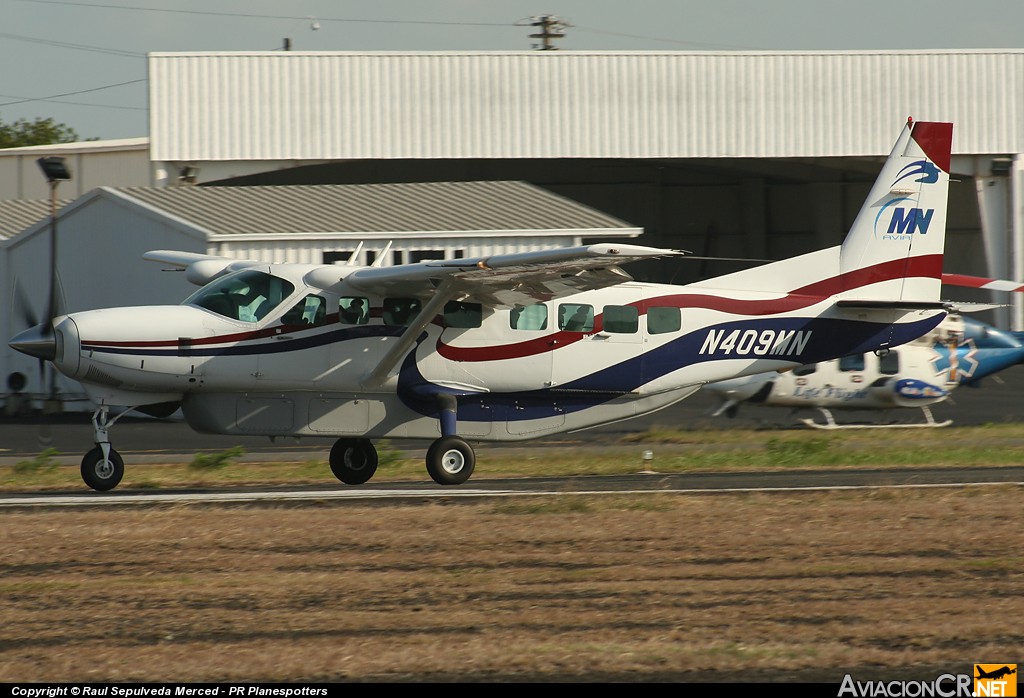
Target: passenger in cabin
{"x": 531, "y": 317}
{"x": 355, "y": 313}
{"x": 580, "y": 321}
{"x": 400, "y": 311}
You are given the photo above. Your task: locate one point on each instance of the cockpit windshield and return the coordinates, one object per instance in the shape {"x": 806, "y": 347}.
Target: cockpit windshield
{"x": 247, "y": 295}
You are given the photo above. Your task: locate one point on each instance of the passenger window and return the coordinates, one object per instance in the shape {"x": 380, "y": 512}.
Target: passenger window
{"x": 311, "y": 310}
{"x": 530, "y": 317}
{"x": 620, "y": 319}
{"x": 889, "y": 363}
{"x": 400, "y": 311}
{"x": 353, "y": 310}
{"x": 853, "y": 362}
{"x": 576, "y": 317}
{"x": 663, "y": 320}
{"x": 459, "y": 314}
{"x": 805, "y": 370}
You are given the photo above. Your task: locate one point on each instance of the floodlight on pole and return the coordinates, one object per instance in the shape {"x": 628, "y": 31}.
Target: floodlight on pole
{"x": 54, "y": 169}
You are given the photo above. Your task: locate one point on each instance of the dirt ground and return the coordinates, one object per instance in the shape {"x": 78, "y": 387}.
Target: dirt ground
{"x": 654, "y": 588}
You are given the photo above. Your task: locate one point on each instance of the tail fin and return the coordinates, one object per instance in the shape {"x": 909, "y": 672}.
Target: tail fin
{"x": 893, "y": 252}
{"x": 892, "y": 255}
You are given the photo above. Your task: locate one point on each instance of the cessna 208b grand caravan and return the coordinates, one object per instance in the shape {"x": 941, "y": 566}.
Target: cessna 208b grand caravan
{"x": 503, "y": 348}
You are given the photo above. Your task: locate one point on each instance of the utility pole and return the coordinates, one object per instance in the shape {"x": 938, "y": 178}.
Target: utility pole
{"x": 551, "y": 28}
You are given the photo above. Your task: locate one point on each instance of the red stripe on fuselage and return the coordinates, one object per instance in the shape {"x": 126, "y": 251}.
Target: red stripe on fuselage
{"x": 272, "y": 331}
{"x": 925, "y": 266}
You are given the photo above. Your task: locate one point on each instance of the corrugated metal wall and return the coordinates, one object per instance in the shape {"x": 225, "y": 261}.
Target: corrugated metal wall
{"x": 550, "y": 104}
{"x": 103, "y": 163}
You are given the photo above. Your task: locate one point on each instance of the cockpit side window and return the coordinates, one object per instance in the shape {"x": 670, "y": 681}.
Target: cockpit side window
{"x": 247, "y": 295}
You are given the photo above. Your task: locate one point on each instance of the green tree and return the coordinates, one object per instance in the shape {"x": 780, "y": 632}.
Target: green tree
{"x": 36, "y": 132}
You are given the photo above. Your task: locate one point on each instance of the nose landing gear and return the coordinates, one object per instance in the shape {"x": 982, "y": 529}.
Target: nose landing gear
{"x": 102, "y": 467}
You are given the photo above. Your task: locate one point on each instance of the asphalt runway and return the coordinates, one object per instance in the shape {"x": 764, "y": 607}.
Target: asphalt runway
{"x": 1000, "y": 399}
{"x": 481, "y": 488}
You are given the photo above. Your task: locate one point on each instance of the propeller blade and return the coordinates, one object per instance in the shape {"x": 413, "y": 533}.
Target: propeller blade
{"x": 23, "y": 309}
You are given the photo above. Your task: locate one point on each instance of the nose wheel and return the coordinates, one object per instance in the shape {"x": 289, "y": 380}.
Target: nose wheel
{"x": 102, "y": 467}
{"x": 102, "y": 472}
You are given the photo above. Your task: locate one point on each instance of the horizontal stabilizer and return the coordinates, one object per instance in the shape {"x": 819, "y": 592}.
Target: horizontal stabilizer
{"x": 965, "y": 307}
{"x": 897, "y": 305}
{"x": 981, "y": 282}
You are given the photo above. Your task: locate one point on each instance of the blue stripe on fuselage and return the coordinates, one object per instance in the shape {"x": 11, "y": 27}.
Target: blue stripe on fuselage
{"x": 267, "y": 345}
{"x": 828, "y": 338}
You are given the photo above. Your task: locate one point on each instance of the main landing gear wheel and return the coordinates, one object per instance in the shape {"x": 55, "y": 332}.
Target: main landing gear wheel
{"x": 353, "y": 461}
{"x": 450, "y": 461}
{"x": 100, "y": 474}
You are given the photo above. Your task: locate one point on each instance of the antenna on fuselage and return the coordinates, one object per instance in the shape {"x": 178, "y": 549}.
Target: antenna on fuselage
{"x": 383, "y": 253}
{"x": 355, "y": 255}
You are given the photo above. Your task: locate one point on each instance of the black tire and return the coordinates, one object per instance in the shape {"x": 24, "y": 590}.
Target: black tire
{"x": 353, "y": 461}
{"x": 99, "y": 475}
{"x": 450, "y": 461}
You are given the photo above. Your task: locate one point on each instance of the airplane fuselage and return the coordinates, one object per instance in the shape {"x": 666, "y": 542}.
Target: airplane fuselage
{"x": 301, "y": 367}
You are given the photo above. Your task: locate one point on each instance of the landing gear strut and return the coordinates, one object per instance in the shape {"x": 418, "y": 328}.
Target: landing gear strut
{"x": 450, "y": 460}
{"x": 102, "y": 467}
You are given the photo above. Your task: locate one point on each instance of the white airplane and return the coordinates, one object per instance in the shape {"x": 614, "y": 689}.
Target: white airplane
{"x": 959, "y": 351}
{"x": 504, "y": 348}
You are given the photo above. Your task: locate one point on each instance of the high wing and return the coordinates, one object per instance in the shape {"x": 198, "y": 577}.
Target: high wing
{"x": 499, "y": 281}
{"x": 507, "y": 280}
{"x": 200, "y": 269}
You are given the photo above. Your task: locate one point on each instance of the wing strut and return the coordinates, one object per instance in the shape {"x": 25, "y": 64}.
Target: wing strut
{"x": 445, "y": 292}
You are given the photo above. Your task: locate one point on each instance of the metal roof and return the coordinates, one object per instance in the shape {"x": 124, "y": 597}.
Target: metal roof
{"x": 17, "y": 215}
{"x": 338, "y": 209}
{"x": 106, "y": 146}
{"x": 546, "y": 104}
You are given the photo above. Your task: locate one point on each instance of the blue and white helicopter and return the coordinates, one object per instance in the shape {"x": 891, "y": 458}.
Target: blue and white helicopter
{"x": 960, "y": 351}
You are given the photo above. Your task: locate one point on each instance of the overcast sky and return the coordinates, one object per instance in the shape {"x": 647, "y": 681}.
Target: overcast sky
{"x": 83, "y": 62}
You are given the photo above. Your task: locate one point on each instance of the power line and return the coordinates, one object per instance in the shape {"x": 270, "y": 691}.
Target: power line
{"x": 77, "y": 47}
{"x": 54, "y": 98}
{"x": 250, "y": 15}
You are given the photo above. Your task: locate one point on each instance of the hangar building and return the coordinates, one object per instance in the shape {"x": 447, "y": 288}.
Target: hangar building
{"x": 759, "y": 155}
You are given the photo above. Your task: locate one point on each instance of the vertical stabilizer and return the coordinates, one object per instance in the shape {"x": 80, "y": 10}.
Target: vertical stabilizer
{"x": 893, "y": 252}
